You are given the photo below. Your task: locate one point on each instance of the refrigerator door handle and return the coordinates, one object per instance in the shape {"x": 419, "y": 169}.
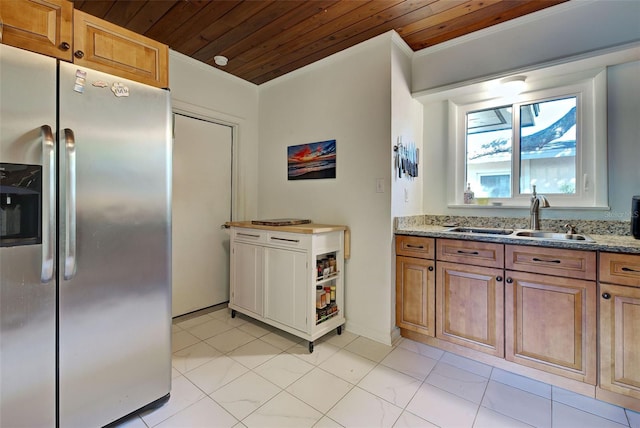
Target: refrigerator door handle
{"x": 48, "y": 202}
{"x": 70, "y": 226}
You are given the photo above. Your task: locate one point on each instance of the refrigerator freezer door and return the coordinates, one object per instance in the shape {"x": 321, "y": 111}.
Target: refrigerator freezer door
{"x": 27, "y": 286}
{"x": 115, "y": 265}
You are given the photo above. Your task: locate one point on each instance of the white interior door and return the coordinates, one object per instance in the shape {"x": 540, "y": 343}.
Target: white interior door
{"x": 202, "y": 158}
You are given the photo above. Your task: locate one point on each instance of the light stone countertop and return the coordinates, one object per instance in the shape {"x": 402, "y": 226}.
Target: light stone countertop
{"x": 609, "y": 243}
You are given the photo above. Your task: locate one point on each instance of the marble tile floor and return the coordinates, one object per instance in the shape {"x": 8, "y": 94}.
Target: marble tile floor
{"x": 238, "y": 372}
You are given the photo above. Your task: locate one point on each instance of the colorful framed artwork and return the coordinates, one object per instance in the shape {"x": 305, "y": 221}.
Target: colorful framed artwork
{"x": 312, "y": 161}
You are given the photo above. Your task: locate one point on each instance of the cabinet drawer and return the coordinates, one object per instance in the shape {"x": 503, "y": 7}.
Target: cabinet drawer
{"x": 551, "y": 261}
{"x": 623, "y": 269}
{"x": 288, "y": 240}
{"x": 471, "y": 252}
{"x": 415, "y": 246}
{"x": 250, "y": 235}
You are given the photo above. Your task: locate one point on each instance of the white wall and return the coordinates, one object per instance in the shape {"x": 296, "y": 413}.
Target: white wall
{"x": 519, "y": 45}
{"x": 206, "y": 91}
{"x": 406, "y": 123}
{"x": 623, "y": 92}
{"x": 406, "y": 126}
{"x": 346, "y": 97}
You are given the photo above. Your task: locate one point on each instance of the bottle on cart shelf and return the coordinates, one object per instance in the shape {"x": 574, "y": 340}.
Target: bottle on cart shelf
{"x": 332, "y": 264}
{"x": 321, "y": 301}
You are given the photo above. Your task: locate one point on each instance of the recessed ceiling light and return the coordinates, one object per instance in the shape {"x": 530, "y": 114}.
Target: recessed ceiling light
{"x": 220, "y": 60}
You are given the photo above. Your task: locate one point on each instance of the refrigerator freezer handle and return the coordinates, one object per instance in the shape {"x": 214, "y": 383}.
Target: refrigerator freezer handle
{"x": 48, "y": 201}
{"x": 70, "y": 226}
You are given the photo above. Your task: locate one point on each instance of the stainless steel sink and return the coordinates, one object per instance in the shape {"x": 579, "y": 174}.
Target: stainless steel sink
{"x": 524, "y": 234}
{"x": 483, "y": 230}
{"x": 552, "y": 235}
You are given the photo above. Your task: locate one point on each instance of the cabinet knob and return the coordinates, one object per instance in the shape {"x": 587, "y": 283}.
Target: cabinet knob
{"x": 509, "y": 280}
{"x": 430, "y": 268}
{"x": 499, "y": 278}
{"x": 606, "y": 296}
{"x": 65, "y": 46}
{"x": 78, "y": 54}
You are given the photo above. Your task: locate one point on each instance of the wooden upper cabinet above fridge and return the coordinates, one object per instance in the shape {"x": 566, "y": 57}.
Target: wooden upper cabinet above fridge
{"x": 106, "y": 47}
{"x": 42, "y": 26}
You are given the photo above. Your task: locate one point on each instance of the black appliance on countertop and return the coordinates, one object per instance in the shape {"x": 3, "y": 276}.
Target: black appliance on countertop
{"x": 635, "y": 216}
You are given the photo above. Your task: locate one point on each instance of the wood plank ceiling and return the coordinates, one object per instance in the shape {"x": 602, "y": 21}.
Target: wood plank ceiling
{"x": 265, "y": 39}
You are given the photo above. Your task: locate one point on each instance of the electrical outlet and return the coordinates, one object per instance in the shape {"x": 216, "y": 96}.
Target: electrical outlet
{"x": 406, "y": 195}
{"x": 379, "y": 185}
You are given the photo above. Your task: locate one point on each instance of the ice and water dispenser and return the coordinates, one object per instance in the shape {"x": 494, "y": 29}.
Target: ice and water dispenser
{"x": 20, "y": 204}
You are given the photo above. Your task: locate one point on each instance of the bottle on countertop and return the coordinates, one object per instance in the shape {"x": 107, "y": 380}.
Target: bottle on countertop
{"x": 468, "y": 195}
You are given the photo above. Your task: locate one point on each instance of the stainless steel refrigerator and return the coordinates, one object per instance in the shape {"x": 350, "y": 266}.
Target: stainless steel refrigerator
{"x": 85, "y": 251}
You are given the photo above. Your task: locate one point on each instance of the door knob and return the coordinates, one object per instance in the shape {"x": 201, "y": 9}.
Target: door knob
{"x": 606, "y": 296}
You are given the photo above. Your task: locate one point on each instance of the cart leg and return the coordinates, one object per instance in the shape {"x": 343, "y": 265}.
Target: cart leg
{"x": 311, "y": 347}
{"x": 233, "y": 313}
{"x": 339, "y": 330}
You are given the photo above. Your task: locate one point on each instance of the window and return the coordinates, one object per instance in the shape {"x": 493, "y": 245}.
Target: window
{"x": 545, "y": 155}
{"x": 553, "y": 138}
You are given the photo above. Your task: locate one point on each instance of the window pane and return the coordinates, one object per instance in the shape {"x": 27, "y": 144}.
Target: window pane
{"x": 496, "y": 186}
{"x": 489, "y": 153}
{"x": 548, "y": 146}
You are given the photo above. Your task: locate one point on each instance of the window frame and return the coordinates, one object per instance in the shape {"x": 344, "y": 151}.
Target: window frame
{"x": 591, "y": 187}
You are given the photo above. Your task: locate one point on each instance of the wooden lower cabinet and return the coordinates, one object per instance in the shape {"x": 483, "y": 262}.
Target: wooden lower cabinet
{"x": 620, "y": 339}
{"x": 548, "y": 319}
{"x": 415, "y": 295}
{"x": 470, "y": 307}
{"x": 550, "y": 324}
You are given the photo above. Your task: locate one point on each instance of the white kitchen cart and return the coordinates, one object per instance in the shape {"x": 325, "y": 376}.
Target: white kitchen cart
{"x": 274, "y": 276}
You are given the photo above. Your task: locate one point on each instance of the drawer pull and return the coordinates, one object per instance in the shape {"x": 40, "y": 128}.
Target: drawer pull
{"x": 285, "y": 239}
{"x": 606, "y": 296}
{"x": 626, "y": 269}
{"x": 430, "y": 268}
{"x": 499, "y": 278}
{"x": 509, "y": 280}
{"x": 248, "y": 234}
{"x": 418, "y": 247}
{"x": 535, "y": 259}
{"x": 470, "y": 253}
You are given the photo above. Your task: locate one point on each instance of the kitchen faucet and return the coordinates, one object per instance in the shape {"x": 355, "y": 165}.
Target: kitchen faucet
{"x": 537, "y": 202}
